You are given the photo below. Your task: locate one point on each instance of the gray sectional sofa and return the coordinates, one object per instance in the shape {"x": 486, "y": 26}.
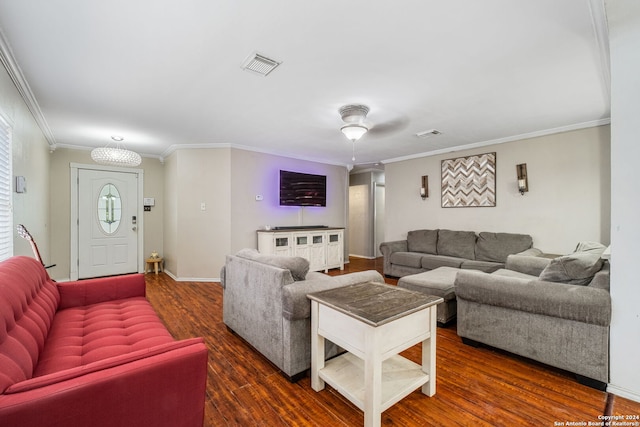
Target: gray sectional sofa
{"x": 556, "y": 311}
{"x": 425, "y": 250}
{"x": 265, "y": 303}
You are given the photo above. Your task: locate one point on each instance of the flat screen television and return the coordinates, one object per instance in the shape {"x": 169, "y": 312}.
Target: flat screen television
{"x": 302, "y": 189}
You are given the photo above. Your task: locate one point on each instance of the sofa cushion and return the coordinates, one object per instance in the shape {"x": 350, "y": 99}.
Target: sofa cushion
{"x": 431, "y": 262}
{"x": 577, "y": 268}
{"x": 460, "y": 244}
{"x": 424, "y": 241}
{"x": 438, "y": 282}
{"x": 409, "y": 259}
{"x": 486, "y": 266}
{"x": 298, "y": 266}
{"x": 83, "y": 335}
{"x": 496, "y": 247}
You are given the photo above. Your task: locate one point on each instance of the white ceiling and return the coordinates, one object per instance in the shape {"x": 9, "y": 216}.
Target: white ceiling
{"x": 163, "y": 73}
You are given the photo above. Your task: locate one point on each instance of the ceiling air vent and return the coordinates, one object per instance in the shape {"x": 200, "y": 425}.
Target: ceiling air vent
{"x": 428, "y": 133}
{"x": 259, "y": 64}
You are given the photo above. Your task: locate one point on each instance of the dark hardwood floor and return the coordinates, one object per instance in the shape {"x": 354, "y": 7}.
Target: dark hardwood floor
{"x": 475, "y": 386}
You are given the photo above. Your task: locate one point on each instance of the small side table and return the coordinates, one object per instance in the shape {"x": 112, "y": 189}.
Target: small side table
{"x": 153, "y": 263}
{"x": 373, "y": 322}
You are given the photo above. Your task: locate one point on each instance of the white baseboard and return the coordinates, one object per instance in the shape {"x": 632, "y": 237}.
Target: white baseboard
{"x": 622, "y": 392}
{"x": 191, "y": 279}
{"x": 362, "y": 256}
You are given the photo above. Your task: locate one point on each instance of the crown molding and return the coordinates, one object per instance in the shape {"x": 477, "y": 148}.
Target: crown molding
{"x": 561, "y": 129}
{"x": 176, "y": 147}
{"x": 15, "y": 73}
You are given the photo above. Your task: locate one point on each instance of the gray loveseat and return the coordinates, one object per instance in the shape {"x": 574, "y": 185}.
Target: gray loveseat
{"x": 556, "y": 311}
{"x": 425, "y": 250}
{"x": 265, "y": 302}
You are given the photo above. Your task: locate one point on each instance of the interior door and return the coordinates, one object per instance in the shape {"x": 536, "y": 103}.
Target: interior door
{"x": 107, "y": 223}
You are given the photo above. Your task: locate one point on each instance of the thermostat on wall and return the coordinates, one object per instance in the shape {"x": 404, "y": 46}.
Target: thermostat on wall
{"x": 149, "y": 201}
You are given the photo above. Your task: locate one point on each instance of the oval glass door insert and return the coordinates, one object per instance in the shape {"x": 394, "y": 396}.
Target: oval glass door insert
{"x": 109, "y": 208}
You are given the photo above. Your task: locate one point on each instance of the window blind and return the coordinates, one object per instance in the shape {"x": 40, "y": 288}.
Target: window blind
{"x": 6, "y": 214}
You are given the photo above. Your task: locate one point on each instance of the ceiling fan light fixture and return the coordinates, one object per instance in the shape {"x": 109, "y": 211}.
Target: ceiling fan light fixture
{"x": 354, "y": 131}
{"x": 354, "y": 115}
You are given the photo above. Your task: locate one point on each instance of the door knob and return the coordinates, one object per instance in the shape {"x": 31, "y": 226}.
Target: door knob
{"x": 134, "y": 228}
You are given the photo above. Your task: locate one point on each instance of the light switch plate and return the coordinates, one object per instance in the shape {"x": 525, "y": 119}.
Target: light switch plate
{"x": 21, "y": 184}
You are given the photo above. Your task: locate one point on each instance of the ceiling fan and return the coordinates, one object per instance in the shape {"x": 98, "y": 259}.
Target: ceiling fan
{"x": 356, "y": 124}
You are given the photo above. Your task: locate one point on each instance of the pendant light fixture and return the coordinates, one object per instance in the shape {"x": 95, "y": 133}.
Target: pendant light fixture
{"x": 116, "y": 156}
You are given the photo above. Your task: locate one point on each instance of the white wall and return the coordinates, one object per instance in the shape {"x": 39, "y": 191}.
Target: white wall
{"x": 59, "y": 186}
{"x": 227, "y": 181}
{"x": 30, "y": 156}
{"x": 197, "y": 239}
{"x": 254, "y": 173}
{"x": 170, "y": 207}
{"x": 568, "y": 199}
{"x": 624, "y": 37}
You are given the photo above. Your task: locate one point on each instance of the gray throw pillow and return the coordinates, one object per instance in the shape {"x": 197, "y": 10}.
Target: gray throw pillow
{"x": 496, "y": 247}
{"x": 577, "y": 268}
{"x": 298, "y": 266}
{"x": 424, "y": 241}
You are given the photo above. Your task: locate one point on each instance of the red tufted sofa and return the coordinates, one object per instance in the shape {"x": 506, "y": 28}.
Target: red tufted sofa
{"x": 91, "y": 353}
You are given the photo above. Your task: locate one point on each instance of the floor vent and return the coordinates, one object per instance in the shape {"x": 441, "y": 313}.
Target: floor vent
{"x": 259, "y": 64}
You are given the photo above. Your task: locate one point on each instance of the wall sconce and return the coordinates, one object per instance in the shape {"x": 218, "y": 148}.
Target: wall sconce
{"x": 523, "y": 182}
{"x": 424, "y": 188}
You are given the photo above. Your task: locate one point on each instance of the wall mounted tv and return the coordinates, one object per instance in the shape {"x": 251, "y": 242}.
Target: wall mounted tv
{"x": 302, "y": 189}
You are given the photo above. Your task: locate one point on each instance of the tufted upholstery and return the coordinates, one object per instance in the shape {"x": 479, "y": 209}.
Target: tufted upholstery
{"x": 92, "y": 352}
{"x": 28, "y": 303}
{"x": 82, "y": 335}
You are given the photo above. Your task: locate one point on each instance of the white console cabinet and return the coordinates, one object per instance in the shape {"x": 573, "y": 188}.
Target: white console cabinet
{"x": 323, "y": 247}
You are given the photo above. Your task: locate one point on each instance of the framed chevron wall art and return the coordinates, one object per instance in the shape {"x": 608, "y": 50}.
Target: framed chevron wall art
{"x": 469, "y": 181}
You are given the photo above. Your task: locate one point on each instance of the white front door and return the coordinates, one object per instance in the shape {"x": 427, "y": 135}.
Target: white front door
{"x": 107, "y": 223}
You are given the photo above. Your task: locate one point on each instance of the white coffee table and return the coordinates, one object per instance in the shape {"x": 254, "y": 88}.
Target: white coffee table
{"x": 373, "y": 322}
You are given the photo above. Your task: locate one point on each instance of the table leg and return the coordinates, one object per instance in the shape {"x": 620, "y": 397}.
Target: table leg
{"x": 317, "y": 349}
{"x": 372, "y": 379}
{"x": 429, "y": 355}
{"x": 155, "y": 265}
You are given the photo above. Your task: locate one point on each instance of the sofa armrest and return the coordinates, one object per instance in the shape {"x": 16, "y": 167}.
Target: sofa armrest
{"x": 163, "y": 389}
{"x": 67, "y": 374}
{"x": 572, "y": 302}
{"x": 387, "y": 248}
{"x": 296, "y": 305}
{"x": 92, "y": 291}
{"x": 527, "y": 262}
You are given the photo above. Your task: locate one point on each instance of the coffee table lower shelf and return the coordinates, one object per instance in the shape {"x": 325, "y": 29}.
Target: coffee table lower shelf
{"x": 400, "y": 377}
